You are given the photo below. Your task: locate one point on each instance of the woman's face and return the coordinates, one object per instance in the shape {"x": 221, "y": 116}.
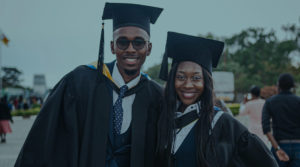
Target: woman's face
{"x": 189, "y": 82}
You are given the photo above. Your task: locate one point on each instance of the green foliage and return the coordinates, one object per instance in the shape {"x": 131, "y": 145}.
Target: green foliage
{"x": 153, "y": 72}
{"x": 11, "y": 77}
{"x": 257, "y": 57}
{"x": 32, "y": 111}
{"x": 234, "y": 107}
{"x": 36, "y": 105}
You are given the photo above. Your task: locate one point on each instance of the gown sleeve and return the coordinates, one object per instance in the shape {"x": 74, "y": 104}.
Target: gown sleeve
{"x": 253, "y": 152}
{"x": 53, "y": 138}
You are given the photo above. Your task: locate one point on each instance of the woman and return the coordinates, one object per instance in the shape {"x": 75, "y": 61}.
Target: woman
{"x": 192, "y": 131}
{"x": 253, "y": 110}
{"x": 5, "y": 117}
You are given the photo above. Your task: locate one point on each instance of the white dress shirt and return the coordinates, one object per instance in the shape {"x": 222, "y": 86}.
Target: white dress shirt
{"x": 126, "y": 101}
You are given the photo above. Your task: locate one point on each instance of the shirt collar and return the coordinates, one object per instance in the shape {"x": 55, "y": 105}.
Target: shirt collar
{"x": 119, "y": 81}
{"x": 285, "y": 92}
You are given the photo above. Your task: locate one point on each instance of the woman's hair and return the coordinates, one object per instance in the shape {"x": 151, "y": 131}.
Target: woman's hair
{"x": 166, "y": 123}
{"x": 255, "y": 90}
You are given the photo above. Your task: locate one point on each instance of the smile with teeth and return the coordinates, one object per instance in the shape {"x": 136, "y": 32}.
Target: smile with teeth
{"x": 188, "y": 94}
{"x": 131, "y": 60}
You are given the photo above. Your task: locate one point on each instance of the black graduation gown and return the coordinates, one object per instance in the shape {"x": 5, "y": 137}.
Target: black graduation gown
{"x": 73, "y": 126}
{"x": 234, "y": 146}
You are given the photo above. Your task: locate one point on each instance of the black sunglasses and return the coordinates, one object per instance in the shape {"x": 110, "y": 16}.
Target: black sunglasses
{"x": 138, "y": 43}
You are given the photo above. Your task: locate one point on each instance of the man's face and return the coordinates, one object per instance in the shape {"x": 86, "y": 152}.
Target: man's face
{"x": 131, "y": 46}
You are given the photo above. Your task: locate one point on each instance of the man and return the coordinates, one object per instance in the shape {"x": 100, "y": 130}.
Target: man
{"x": 253, "y": 109}
{"x": 102, "y": 114}
{"x": 284, "y": 110}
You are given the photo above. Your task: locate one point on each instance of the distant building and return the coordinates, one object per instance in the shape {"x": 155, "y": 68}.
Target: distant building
{"x": 39, "y": 85}
{"x": 15, "y": 92}
{"x": 224, "y": 85}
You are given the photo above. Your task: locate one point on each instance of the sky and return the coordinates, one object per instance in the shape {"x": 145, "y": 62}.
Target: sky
{"x": 55, "y": 36}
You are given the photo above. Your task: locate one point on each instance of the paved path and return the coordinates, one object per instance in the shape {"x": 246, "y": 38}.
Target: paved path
{"x": 10, "y": 150}
{"x": 14, "y": 141}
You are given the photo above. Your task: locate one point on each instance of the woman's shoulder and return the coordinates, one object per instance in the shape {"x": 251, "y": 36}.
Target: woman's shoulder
{"x": 244, "y": 148}
{"x": 228, "y": 125}
{"x": 225, "y": 118}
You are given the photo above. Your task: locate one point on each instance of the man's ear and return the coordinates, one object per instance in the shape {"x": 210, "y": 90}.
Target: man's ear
{"x": 149, "y": 48}
{"x": 112, "y": 47}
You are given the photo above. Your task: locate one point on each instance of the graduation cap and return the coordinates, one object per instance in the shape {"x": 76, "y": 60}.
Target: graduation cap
{"x": 181, "y": 47}
{"x": 123, "y": 15}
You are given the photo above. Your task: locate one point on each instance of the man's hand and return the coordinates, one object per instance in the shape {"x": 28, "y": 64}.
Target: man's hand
{"x": 282, "y": 156}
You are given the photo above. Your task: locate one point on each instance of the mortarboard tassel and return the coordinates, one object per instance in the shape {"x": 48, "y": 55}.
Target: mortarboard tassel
{"x": 101, "y": 52}
{"x": 163, "y": 74}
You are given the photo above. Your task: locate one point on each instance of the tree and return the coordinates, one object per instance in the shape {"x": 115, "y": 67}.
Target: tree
{"x": 11, "y": 77}
{"x": 153, "y": 72}
{"x": 257, "y": 57}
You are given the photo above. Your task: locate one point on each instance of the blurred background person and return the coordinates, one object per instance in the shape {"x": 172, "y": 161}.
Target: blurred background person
{"x": 253, "y": 106}
{"x": 5, "y": 117}
{"x": 221, "y": 104}
{"x": 284, "y": 110}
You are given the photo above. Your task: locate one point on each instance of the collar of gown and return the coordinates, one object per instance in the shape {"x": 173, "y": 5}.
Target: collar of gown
{"x": 190, "y": 108}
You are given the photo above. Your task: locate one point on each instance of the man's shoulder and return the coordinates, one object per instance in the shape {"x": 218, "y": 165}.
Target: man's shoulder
{"x": 274, "y": 97}
{"x": 154, "y": 86}
{"x": 85, "y": 69}
{"x": 280, "y": 97}
{"x": 81, "y": 76}
{"x": 83, "y": 72}
{"x": 295, "y": 97}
